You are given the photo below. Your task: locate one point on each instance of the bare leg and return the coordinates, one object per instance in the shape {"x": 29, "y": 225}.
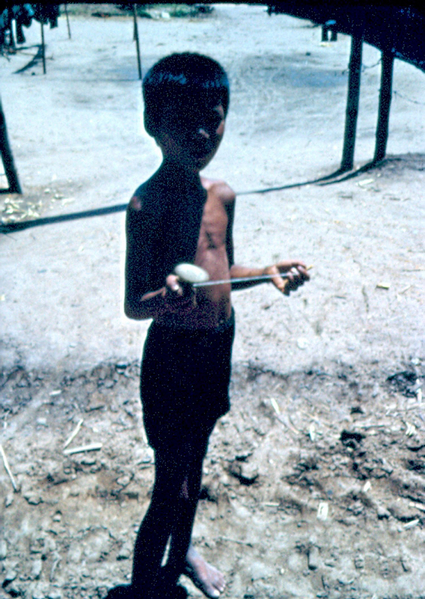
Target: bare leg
{"x": 172, "y": 511}
{"x": 185, "y": 515}
{"x": 156, "y": 527}
{"x": 208, "y": 579}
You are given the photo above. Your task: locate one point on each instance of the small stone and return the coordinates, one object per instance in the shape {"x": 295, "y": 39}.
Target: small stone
{"x": 382, "y": 513}
{"x": 402, "y": 510}
{"x": 313, "y": 558}
{"x": 259, "y": 571}
{"x": 296, "y": 562}
{"x": 33, "y": 498}
{"x": 14, "y": 589}
{"x": 39, "y": 591}
{"x": 36, "y": 569}
{"x": 359, "y": 562}
{"x": 302, "y": 343}
{"x": 3, "y": 549}
{"x": 249, "y": 472}
{"x": 9, "y": 500}
{"x": 36, "y": 546}
{"x": 405, "y": 565}
{"x": 375, "y": 390}
{"x": 74, "y": 553}
{"x": 123, "y": 481}
{"x": 9, "y": 577}
{"x": 125, "y": 552}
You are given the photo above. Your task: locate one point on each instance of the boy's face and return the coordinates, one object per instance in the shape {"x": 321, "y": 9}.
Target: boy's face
{"x": 194, "y": 135}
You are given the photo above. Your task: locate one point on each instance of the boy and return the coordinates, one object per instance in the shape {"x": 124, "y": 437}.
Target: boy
{"x": 176, "y": 217}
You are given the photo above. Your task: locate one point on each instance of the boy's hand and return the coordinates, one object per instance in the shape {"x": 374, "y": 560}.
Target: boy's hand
{"x": 296, "y": 275}
{"x": 179, "y": 297}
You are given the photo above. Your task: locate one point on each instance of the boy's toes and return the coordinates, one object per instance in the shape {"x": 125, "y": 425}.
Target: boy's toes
{"x": 208, "y": 580}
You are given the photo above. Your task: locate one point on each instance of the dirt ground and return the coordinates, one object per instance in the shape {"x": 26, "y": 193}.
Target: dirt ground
{"x": 315, "y": 481}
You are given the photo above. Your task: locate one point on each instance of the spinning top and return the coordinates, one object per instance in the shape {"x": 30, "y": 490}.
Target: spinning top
{"x": 190, "y": 273}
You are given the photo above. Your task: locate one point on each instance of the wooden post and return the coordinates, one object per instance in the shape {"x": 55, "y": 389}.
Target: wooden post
{"x": 352, "y": 109}
{"x": 67, "y": 20}
{"x": 7, "y": 157}
{"x": 43, "y": 49}
{"x": 136, "y": 37}
{"x": 385, "y": 95}
{"x": 12, "y": 44}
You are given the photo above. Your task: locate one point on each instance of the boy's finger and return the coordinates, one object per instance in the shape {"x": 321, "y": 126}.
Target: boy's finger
{"x": 174, "y": 290}
{"x": 281, "y": 284}
{"x": 303, "y": 270}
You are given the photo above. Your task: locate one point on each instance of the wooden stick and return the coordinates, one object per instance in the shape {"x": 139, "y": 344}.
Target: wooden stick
{"x": 247, "y": 543}
{"x": 8, "y": 470}
{"x": 244, "y": 279}
{"x": 73, "y": 434}
{"x": 83, "y": 448}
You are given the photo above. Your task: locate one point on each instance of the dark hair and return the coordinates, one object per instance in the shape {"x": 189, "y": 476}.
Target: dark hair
{"x": 181, "y": 82}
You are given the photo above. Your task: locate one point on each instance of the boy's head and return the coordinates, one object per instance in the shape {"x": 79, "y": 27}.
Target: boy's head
{"x": 179, "y": 89}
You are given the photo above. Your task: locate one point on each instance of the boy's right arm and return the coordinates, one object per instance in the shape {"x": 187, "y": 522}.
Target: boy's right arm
{"x": 141, "y": 302}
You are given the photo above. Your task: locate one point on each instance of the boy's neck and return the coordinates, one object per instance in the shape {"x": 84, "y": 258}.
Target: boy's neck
{"x": 177, "y": 168}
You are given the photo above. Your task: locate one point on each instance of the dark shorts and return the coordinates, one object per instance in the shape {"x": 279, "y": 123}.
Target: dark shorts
{"x": 185, "y": 381}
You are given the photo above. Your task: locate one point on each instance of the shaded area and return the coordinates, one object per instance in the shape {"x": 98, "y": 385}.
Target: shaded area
{"x": 50, "y": 220}
{"x": 394, "y": 29}
{"x": 335, "y": 177}
{"x": 33, "y": 62}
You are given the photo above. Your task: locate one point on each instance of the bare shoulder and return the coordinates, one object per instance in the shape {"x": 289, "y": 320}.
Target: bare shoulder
{"x": 135, "y": 204}
{"x": 143, "y": 197}
{"x": 137, "y": 212}
{"x": 220, "y": 189}
{"x": 138, "y": 205}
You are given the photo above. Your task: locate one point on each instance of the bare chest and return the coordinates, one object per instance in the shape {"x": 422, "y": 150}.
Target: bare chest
{"x": 213, "y": 230}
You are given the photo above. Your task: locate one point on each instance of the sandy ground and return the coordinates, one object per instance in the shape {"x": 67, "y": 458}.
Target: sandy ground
{"x": 314, "y": 483}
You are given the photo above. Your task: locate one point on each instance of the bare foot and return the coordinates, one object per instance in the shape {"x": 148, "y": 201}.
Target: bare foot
{"x": 204, "y": 576}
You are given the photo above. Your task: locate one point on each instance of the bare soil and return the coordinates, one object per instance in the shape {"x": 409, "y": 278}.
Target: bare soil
{"x": 315, "y": 481}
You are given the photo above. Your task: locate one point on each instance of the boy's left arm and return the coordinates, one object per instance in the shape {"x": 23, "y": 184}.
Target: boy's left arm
{"x": 295, "y": 270}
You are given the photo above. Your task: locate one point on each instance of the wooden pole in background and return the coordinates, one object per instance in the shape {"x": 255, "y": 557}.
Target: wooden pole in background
{"x": 43, "y": 49}
{"x": 7, "y": 156}
{"x": 136, "y": 37}
{"x": 385, "y": 95}
{"x": 352, "y": 110}
{"x": 67, "y": 20}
